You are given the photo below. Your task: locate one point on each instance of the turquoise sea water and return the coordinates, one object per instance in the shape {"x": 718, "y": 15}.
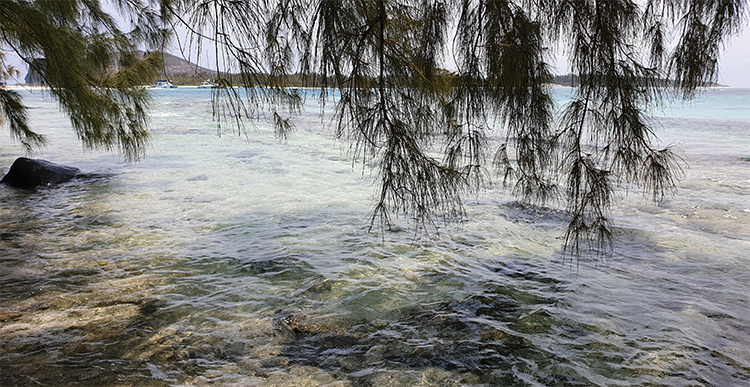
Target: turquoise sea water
{"x": 241, "y": 261}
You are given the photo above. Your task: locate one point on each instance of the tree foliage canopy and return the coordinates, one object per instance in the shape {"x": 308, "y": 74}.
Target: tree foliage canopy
{"x": 429, "y": 131}
{"x": 90, "y": 66}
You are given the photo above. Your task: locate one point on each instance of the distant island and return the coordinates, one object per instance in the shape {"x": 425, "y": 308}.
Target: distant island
{"x": 182, "y": 72}
{"x": 176, "y": 69}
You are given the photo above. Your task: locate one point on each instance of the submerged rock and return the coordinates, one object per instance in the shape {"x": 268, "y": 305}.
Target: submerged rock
{"x": 301, "y": 324}
{"x": 30, "y": 173}
{"x": 6, "y": 316}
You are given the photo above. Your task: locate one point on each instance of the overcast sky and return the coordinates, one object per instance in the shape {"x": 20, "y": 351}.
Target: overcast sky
{"x": 735, "y": 62}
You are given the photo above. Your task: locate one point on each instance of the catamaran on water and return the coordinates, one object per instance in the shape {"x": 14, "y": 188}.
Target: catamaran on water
{"x": 164, "y": 84}
{"x": 207, "y": 84}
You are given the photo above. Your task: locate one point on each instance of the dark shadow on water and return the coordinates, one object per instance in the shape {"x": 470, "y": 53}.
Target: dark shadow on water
{"x": 282, "y": 268}
{"x": 528, "y": 213}
{"x": 480, "y": 339}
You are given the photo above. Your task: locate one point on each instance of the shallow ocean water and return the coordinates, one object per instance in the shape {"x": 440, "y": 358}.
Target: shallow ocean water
{"x": 233, "y": 260}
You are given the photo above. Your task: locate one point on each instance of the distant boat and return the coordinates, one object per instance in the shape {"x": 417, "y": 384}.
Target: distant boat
{"x": 164, "y": 84}
{"x": 208, "y": 85}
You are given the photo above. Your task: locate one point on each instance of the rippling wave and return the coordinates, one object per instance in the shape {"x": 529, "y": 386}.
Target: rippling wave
{"x": 220, "y": 261}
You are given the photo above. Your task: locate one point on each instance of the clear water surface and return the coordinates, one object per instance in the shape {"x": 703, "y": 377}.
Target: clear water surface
{"x": 242, "y": 261}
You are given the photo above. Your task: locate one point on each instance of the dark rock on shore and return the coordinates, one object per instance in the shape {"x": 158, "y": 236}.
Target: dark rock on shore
{"x": 29, "y": 173}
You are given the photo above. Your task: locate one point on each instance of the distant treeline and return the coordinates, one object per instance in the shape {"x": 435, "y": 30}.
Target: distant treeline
{"x": 573, "y": 80}
{"x": 193, "y": 79}
{"x": 566, "y": 80}
{"x": 190, "y": 79}
{"x": 298, "y": 80}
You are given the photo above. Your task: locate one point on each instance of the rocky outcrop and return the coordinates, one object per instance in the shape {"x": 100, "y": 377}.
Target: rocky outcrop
{"x": 35, "y": 75}
{"x": 29, "y": 173}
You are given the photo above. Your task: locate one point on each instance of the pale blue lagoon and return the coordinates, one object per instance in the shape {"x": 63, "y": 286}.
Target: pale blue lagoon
{"x": 242, "y": 261}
